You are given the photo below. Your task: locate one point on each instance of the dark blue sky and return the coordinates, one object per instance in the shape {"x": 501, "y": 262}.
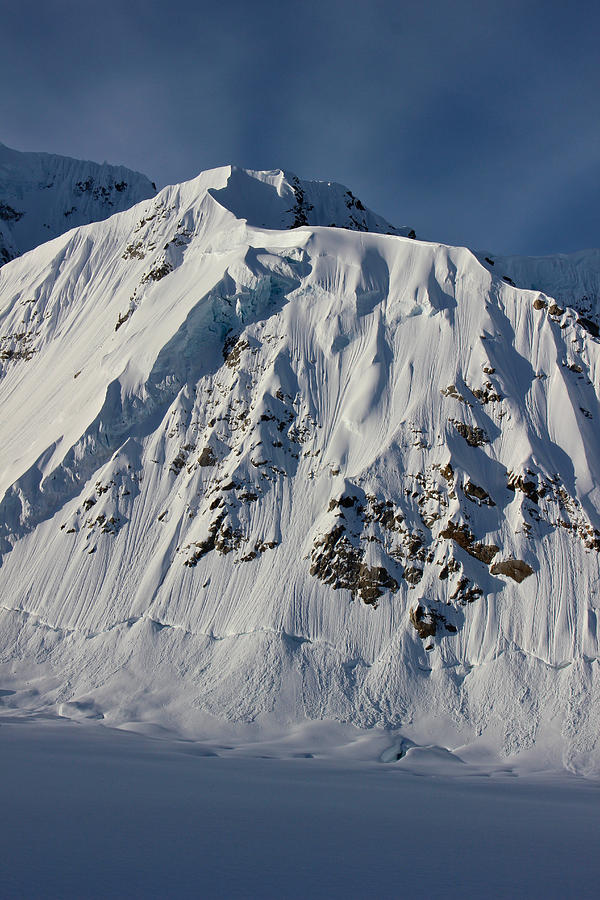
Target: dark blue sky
{"x": 477, "y": 123}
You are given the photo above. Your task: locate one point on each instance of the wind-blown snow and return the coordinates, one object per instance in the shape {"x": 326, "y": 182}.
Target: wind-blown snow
{"x": 269, "y": 470}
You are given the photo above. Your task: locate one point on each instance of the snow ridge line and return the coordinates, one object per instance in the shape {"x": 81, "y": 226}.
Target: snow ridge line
{"x": 133, "y": 620}
{"x": 299, "y": 639}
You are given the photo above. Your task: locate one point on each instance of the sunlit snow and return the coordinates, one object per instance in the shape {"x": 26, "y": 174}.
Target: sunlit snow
{"x": 258, "y": 469}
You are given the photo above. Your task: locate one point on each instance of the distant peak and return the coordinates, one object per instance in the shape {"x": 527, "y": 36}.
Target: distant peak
{"x": 42, "y": 195}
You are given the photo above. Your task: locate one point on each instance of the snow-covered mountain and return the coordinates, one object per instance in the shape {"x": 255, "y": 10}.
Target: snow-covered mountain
{"x": 257, "y": 468}
{"x": 43, "y": 195}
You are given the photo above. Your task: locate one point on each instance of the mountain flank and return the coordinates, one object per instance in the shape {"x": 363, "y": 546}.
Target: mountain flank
{"x": 270, "y": 458}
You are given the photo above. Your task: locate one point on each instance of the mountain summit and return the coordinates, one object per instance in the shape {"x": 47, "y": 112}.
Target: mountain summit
{"x": 261, "y": 468}
{"x": 278, "y": 199}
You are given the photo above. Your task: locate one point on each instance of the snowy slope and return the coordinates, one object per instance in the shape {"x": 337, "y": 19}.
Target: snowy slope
{"x": 258, "y": 472}
{"x": 43, "y": 195}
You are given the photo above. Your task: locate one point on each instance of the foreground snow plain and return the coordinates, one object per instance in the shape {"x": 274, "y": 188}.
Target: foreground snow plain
{"x": 313, "y": 812}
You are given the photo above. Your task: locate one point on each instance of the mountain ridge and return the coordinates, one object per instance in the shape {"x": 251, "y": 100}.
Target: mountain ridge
{"x": 43, "y": 195}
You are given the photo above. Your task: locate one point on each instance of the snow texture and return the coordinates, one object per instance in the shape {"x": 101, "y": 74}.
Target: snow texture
{"x": 43, "y": 195}
{"x": 90, "y": 812}
{"x": 262, "y": 469}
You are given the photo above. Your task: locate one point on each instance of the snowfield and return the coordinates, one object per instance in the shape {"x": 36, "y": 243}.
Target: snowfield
{"x": 255, "y": 468}
{"x": 94, "y": 813}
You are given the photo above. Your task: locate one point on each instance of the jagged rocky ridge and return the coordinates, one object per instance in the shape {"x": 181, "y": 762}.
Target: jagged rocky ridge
{"x": 258, "y": 468}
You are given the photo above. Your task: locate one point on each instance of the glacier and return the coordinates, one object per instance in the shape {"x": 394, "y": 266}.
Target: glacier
{"x": 104, "y": 813}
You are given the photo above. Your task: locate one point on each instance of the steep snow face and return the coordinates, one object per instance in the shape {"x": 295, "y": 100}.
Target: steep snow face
{"x": 279, "y": 199}
{"x": 255, "y": 472}
{"x": 43, "y": 195}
